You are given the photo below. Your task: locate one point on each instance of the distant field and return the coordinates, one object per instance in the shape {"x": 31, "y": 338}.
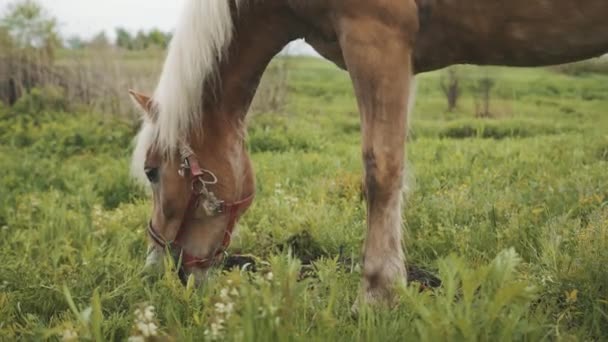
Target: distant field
{"x": 511, "y": 212}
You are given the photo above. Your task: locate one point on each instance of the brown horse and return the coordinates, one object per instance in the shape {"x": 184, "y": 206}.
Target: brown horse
{"x": 191, "y": 147}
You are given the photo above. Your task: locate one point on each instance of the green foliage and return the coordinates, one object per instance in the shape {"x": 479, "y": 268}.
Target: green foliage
{"x": 124, "y": 39}
{"x": 501, "y": 129}
{"x": 6, "y": 41}
{"x": 594, "y": 66}
{"x": 142, "y": 40}
{"x": 487, "y": 303}
{"x": 271, "y": 134}
{"x": 99, "y": 41}
{"x": 158, "y": 38}
{"x": 514, "y": 218}
{"x": 75, "y": 43}
{"x": 30, "y": 25}
{"x": 38, "y": 100}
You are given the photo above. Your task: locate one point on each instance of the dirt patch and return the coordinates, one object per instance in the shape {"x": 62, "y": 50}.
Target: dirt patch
{"x": 304, "y": 247}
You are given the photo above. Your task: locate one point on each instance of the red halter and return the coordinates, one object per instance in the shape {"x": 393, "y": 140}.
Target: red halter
{"x": 202, "y": 196}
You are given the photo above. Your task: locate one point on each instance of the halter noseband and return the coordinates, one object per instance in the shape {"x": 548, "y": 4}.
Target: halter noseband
{"x": 201, "y": 197}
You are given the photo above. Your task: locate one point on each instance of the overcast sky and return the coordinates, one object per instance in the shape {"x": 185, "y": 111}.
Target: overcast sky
{"x": 86, "y": 18}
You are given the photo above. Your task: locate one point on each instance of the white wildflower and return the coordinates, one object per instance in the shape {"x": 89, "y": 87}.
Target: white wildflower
{"x": 234, "y": 292}
{"x": 269, "y": 276}
{"x": 224, "y": 294}
{"x": 138, "y": 315}
{"x": 215, "y": 332}
{"x": 149, "y": 314}
{"x": 224, "y": 309}
{"x": 136, "y": 339}
{"x": 219, "y": 307}
{"x": 69, "y": 335}
{"x": 147, "y": 329}
{"x": 229, "y": 309}
{"x": 273, "y": 309}
{"x": 153, "y": 329}
{"x": 86, "y": 314}
{"x": 144, "y": 324}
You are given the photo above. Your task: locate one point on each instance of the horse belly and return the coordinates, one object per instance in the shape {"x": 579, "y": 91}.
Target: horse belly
{"x": 516, "y": 32}
{"x": 556, "y": 34}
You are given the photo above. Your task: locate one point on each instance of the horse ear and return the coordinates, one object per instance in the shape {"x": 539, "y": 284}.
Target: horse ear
{"x": 144, "y": 102}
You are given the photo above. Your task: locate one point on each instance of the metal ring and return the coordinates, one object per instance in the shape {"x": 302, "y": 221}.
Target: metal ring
{"x": 213, "y": 180}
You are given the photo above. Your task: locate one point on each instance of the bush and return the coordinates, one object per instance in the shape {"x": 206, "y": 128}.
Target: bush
{"x": 273, "y": 133}
{"x": 593, "y": 66}
{"x": 65, "y": 134}
{"x": 115, "y": 186}
{"x": 498, "y": 129}
{"x": 45, "y": 99}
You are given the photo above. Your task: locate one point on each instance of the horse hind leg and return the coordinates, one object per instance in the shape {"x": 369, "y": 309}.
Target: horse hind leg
{"x": 381, "y": 72}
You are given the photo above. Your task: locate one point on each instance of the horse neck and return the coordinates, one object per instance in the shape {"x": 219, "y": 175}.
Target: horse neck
{"x": 236, "y": 83}
{"x": 248, "y": 57}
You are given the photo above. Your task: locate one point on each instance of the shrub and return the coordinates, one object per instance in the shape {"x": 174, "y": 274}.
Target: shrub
{"x": 45, "y": 99}
{"x": 489, "y": 302}
{"x": 597, "y": 66}
{"x": 115, "y": 186}
{"x": 451, "y": 88}
{"x": 493, "y": 129}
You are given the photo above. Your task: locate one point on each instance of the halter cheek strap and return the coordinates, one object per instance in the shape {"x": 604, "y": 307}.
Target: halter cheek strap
{"x": 199, "y": 192}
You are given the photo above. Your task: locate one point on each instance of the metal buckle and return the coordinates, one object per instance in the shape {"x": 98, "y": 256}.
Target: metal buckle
{"x": 209, "y": 201}
{"x": 212, "y": 206}
{"x": 185, "y": 165}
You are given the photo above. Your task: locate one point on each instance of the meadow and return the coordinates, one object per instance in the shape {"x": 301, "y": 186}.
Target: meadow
{"x": 510, "y": 212}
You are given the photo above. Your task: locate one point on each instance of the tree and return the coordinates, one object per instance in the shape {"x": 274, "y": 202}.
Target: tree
{"x": 75, "y": 43}
{"x": 483, "y": 91}
{"x": 124, "y": 39}
{"x": 6, "y": 42}
{"x": 100, "y": 40}
{"x": 28, "y": 40}
{"x": 31, "y": 26}
{"x": 158, "y": 38}
{"x": 140, "y": 42}
{"x": 451, "y": 88}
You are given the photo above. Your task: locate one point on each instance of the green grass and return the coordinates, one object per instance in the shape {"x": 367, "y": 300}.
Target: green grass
{"x": 511, "y": 213}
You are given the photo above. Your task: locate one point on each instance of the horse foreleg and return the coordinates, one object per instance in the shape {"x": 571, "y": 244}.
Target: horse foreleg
{"x": 378, "y": 58}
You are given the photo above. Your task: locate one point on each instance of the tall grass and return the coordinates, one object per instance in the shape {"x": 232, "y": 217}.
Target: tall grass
{"x": 98, "y": 78}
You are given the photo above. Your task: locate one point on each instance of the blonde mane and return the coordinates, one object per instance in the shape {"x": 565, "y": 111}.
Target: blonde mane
{"x": 200, "y": 42}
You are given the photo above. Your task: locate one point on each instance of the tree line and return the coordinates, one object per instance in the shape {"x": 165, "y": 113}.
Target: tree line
{"x": 142, "y": 40}
{"x": 27, "y": 24}
{"x": 29, "y": 41}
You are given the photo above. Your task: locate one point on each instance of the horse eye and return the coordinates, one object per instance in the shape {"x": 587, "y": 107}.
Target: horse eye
{"x": 152, "y": 174}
